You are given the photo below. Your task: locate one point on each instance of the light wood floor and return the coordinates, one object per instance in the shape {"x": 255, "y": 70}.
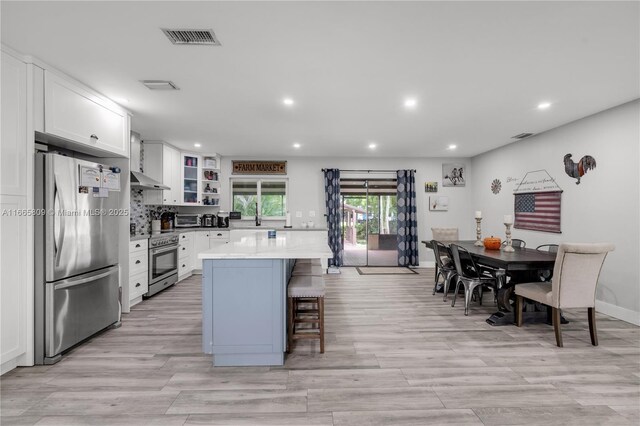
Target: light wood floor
{"x": 395, "y": 355}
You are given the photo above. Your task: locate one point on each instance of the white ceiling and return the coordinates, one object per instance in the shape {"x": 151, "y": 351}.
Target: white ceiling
{"x": 478, "y": 70}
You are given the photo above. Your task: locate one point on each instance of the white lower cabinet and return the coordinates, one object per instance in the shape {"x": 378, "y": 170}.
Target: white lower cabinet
{"x": 185, "y": 255}
{"x": 201, "y": 244}
{"x": 138, "y": 270}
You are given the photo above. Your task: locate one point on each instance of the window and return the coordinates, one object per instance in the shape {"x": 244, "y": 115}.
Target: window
{"x": 269, "y": 196}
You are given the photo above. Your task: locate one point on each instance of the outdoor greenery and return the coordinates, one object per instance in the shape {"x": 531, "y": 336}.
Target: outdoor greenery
{"x": 273, "y": 198}
{"x": 382, "y": 214}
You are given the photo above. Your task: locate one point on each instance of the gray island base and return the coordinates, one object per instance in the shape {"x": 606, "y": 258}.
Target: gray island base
{"x": 244, "y": 290}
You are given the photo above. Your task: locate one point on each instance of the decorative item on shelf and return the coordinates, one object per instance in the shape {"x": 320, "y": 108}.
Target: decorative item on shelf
{"x": 206, "y": 201}
{"x": 508, "y": 221}
{"x": 210, "y": 163}
{"x": 478, "y": 229}
{"x": 496, "y": 186}
{"x": 491, "y": 243}
{"x": 207, "y": 188}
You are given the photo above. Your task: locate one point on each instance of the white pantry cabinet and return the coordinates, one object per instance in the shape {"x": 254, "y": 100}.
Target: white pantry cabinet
{"x": 74, "y": 113}
{"x": 16, "y": 261}
{"x": 162, "y": 163}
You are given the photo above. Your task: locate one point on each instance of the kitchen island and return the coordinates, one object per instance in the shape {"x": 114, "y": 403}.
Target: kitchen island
{"x": 244, "y": 294}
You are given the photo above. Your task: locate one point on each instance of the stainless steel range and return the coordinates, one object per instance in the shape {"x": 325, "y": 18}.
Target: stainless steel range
{"x": 163, "y": 262}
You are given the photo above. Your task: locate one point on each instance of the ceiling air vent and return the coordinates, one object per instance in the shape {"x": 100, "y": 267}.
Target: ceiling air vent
{"x": 192, "y": 37}
{"x": 160, "y": 85}
{"x": 522, "y": 136}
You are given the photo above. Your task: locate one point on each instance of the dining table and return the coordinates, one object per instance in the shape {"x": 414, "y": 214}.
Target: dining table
{"x": 510, "y": 268}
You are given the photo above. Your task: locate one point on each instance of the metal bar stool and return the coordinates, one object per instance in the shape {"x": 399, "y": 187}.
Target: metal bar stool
{"x": 305, "y": 290}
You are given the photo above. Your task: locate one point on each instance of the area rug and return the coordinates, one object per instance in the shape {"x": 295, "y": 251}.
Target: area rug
{"x": 384, "y": 270}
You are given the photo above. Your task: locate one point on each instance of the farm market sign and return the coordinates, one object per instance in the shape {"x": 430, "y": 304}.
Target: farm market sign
{"x": 259, "y": 167}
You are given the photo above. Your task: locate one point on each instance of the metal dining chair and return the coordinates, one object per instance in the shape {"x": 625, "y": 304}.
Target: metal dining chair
{"x": 550, "y": 248}
{"x": 469, "y": 276}
{"x": 516, "y": 243}
{"x": 575, "y": 278}
{"x": 547, "y": 248}
{"x": 446, "y": 269}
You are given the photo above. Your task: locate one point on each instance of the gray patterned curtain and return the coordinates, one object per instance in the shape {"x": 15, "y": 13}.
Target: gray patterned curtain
{"x": 332, "y": 203}
{"x": 407, "y": 219}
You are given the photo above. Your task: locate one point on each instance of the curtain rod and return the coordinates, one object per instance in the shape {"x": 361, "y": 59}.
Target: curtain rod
{"x": 369, "y": 171}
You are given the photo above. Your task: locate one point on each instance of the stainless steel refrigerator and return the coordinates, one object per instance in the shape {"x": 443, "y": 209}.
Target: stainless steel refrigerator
{"x": 76, "y": 252}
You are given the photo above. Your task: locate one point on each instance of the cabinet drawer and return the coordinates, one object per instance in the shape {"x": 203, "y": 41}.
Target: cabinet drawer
{"x": 138, "y": 246}
{"x": 184, "y": 266}
{"x": 138, "y": 263}
{"x": 138, "y": 285}
{"x": 186, "y": 236}
{"x": 184, "y": 251}
{"x": 219, "y": 235}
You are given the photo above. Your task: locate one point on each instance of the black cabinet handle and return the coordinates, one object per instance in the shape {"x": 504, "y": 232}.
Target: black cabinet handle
{"x": 184, "y": 266}
{"x": 137, "y": 284}
{"x": 137, "y": 262}
{"x": 94, "y": 136}
{"x": 184, "y": 248}
{"x": 138, "y": 245}
{"x": 219, "y": 235}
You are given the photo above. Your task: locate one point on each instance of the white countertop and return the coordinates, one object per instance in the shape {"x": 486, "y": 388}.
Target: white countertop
{"x": 286, "y": 245}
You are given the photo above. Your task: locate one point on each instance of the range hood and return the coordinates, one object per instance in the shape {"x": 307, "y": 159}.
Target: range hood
{"x": 142, "y": 181}
{"x": 138, "y": 179}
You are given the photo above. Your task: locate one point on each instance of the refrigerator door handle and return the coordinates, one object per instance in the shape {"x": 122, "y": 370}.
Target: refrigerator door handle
{"x": 59, "y": 224}
{"x": 72, "y": 282}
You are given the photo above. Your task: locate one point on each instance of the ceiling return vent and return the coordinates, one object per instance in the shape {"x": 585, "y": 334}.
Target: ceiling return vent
{"x": 160, "y": 85}
{"x": 522, "y": 136}
{"x": 192, "y": 37}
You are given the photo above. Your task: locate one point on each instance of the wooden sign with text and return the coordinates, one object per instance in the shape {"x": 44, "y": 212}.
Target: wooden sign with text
{"x": 259, "y": 167}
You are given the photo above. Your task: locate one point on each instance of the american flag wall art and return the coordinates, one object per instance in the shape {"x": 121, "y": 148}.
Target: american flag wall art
{"x": 538, "y": 211}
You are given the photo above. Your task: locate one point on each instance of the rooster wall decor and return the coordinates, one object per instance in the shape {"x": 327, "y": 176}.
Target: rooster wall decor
{"x": 577, "y": 170}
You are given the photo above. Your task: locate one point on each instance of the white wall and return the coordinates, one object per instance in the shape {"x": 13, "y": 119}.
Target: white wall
{"x": 306, "y": 190}
{"x": 603, "y": 207}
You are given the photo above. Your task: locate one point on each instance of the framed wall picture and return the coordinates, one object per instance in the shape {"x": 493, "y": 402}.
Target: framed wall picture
{"x": 438, "y": 203}
{"x": 453, "y": 174}
{"x": 431, "y": 187}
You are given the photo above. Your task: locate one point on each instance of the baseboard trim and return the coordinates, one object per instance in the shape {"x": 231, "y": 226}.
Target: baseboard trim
{"x": 8, "y": 366}
{"x": 623, "y": 314}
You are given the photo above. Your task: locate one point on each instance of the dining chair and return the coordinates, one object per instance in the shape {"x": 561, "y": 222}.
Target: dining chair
{"x": 575, "y": 277}
{"x": 517, "y": 243}
{"x": 549, "y": 248}
{"x": 469, "y": 276}
{"x": 446, "y": 269}
{"x": 445, "y": 234}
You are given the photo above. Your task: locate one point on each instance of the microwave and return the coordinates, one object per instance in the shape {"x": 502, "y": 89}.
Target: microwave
{"x": 188, "y": 220}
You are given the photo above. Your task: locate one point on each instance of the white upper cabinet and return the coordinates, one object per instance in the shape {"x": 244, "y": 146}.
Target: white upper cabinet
{"x": 162, "y": 163}
{"x": 74, "y": 113}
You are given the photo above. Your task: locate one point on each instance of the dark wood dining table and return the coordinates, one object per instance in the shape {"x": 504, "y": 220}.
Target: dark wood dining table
{"x": 521, "y": 265}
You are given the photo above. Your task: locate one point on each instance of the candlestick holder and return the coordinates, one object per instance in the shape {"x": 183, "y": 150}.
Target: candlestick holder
{"x": 478, "y": 233}
{"x": 508, "y": 248}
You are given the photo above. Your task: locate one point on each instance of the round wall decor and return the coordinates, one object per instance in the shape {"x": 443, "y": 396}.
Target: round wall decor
{"x": 496, "y": 186}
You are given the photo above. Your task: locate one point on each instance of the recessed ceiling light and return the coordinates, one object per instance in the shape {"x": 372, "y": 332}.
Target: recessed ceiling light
{"x": 296, "y": 145}
{"x": 197, "y": 145}
{"x": 372, "y": 146}
{"x": 544, "y": 105}
{"x": 453, "y": 146}
{"x": 410, "y": 103}
{"x": 288, "y": 101}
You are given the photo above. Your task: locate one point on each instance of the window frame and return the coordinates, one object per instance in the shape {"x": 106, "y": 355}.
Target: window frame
{"x": 258, "y": 181}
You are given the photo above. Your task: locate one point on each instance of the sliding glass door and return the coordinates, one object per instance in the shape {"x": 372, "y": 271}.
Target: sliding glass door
{"x": 369, "y": 222}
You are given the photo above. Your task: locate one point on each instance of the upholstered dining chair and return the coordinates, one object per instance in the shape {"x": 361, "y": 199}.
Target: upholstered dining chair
{"x": 446, "y": 268}
{"x": 469, "y": 276}
{"x": 517, "y": 243}
{"x": 445, "y": 234}
{"x": 575, "y": 277}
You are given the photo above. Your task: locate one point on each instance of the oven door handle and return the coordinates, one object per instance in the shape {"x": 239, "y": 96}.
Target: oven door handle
{"x": 164, "y": 249}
